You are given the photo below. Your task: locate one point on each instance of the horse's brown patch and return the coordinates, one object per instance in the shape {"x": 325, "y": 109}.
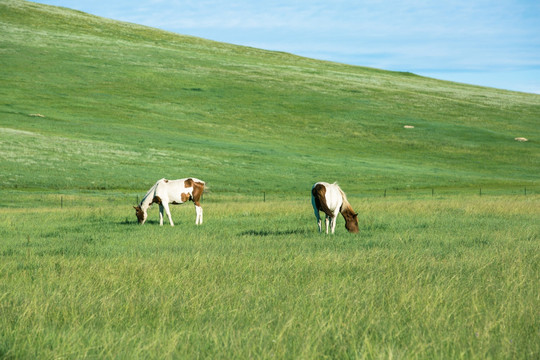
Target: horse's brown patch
{"x": 139, "y": 213}
{"x": 185, "y": 197}
{"x": 188, "y": 183}
{"x": 156, "y": 200}
{"x": 319, "y": 194}
{"x": 351, "y": 219}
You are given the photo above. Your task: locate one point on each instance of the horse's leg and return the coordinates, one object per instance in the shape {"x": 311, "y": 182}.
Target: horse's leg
{"x": 327, "y": 221}
{"x": 199, "y": 211}
{"x": 319, "y": 222}
{"x": 160, "y": 215}
{"x": 334, "y": 220}
{"x": 168, "y": 212}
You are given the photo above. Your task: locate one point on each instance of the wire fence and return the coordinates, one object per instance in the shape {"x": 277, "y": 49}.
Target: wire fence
{"x": 445, "y": 192}
{"x": 430, "y": 192}
{"x": 70, "y": 200}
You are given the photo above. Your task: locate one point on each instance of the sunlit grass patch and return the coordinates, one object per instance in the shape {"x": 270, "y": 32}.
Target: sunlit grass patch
{"x": 425, "y": 277}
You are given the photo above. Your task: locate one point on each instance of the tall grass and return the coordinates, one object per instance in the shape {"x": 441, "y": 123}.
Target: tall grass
{"x": 426, "y": 278}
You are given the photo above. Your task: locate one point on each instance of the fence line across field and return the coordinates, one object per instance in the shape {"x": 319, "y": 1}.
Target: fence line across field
{"x": 433, "y": 192}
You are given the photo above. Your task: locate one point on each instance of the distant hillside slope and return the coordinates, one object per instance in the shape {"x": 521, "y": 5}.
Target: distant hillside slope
{"x": 91, "y": 103}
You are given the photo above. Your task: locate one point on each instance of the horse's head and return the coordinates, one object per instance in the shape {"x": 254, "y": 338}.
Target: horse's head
{"x": 351, "y": 222}
{"x": 141, "y": 214}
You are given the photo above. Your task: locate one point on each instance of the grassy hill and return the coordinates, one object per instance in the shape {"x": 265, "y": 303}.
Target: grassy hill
{"x": 122, "y": 105}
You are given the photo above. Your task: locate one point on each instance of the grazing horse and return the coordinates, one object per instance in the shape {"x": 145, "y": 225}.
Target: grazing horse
{"x": 166, "y": 192}
{"x": 330, "y": 199}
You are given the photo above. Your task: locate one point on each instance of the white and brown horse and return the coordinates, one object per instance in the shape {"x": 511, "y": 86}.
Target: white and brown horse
{"x": 330, "y": 199}
{"x": 166, "y": 192}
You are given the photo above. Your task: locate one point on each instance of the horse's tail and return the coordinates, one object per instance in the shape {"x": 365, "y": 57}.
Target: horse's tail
{"x": 318, "y": 193}
{"x": 206, "y": 187}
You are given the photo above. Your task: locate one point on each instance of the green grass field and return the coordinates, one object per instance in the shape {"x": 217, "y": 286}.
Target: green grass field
{"x": 426, "y": 278}
{"x": 94, "y": 111}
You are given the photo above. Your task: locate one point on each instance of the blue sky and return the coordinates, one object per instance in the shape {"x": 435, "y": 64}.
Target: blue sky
{"x": 484, "y": 42}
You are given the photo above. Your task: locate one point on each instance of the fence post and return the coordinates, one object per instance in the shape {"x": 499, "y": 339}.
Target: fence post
{"x": 480, "y": 191}
{"x": 61, "y": 202}
{"x": 264, "y": 196}
{"x": 384, "y": 192}
{"x": 525, "y": 191}
{"x": 432, "y": 192}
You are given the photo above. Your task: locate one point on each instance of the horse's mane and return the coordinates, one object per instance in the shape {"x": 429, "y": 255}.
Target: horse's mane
{"x": 151, "y": 191}
{"x": 346, "y": 204}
